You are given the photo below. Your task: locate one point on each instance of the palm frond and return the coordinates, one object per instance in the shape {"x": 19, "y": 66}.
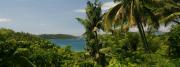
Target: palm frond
{"x": 169, "y": 18}
{"x": 109, "y": 17}
{"x": 132, "y": 20}
{"x": 83, "y": 22}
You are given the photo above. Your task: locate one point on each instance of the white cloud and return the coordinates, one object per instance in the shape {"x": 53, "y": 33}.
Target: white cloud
{"x": 135, "y": 29}
{"x": 5, "y": 20}
{"x": 105, "y": 7}
{"x": 162, "y": 28}
{"x": 80, "y": 11}
{"x": 108, "y": 5}
{"x": 167, "y": 28}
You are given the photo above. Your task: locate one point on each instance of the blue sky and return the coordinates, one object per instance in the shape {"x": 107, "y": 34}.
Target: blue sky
{"x": 43, "y": 16}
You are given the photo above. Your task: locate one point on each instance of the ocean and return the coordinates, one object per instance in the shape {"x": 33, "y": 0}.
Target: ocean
{"x": 76, "y": 44}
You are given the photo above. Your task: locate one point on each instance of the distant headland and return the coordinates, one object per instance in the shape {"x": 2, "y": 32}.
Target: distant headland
{"x": 58, "y": 36}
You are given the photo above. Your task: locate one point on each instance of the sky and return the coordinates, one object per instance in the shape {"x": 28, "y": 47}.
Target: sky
{"x": 44, "y": 16}
{"x": 47, "y": 16}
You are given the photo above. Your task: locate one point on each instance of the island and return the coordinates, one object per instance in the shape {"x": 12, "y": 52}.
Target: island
{"x": 58, "y": 36}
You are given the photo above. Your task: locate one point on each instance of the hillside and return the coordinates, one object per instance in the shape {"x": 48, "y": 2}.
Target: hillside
{"x": 58, "y": 36}
{"x": 19, "y": 49}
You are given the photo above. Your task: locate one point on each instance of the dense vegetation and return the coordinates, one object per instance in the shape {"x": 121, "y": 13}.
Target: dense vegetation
{"x": 118, "y": 47}
{"x": 58, "y": 36}
{"x": 128, "y": 50}
{"x": 22, "y": 49}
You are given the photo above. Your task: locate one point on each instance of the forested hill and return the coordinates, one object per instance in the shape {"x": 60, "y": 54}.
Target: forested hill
{"x": 18, "y": 49}
{"x": 58, "y": 36}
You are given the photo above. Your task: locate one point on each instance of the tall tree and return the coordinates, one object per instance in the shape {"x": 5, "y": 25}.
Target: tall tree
{"x": 129, "y": 13}
{"x": 91, "y": 25}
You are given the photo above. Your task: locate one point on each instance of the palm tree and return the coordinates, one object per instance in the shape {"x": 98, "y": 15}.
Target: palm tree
{"x": 129, "y": 13}
{"x": 91, "y": 25}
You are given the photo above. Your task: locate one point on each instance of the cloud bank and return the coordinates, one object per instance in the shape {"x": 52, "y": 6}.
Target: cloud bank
{"x": 5, "y": 20}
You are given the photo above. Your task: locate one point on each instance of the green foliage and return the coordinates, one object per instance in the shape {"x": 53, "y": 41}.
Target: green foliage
{"x": 22, "y": 49}
{"x": 174, "y": 44}
{"x": 127, "y": 51}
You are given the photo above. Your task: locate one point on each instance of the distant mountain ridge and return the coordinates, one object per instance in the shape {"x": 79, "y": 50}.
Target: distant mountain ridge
{"x": 58, "y": 36}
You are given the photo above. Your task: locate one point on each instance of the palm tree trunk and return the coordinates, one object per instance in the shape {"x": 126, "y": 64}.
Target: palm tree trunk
{"x": 101, "y": 59}
{"x": 143, "y": 36}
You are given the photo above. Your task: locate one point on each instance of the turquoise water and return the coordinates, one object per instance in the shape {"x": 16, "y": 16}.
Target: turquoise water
{"x": 76, "y": 44}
